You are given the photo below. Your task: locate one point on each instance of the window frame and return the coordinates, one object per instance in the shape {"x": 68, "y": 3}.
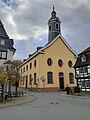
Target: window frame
{"x": 30, "y": 65}
{"x": 60, "y": 63}
{"x": 70, "y": 64}
{"x": 35, "y": 63}
{"x": 3, "y": 53}
{"x": 35, "y": 77}
{"x": 2, "y": 42}
{"x": 71, "y": 78}
{"x": 49, "y": 77}
{"x": 49, "y": 62}
{"x": 56, "y": 26}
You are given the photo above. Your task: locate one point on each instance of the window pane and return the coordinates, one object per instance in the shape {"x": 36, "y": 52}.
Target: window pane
{"x": 34, "y": 78}
{"x": 3, "y": 54}
{"x": 0, "y": 54}
{"x": 71, "y": 78}
{"x": 57, "y": 26}
{"x": 60, "y": 63}
{"x": 50, "y": 77}
{"x": 2, "y": 42}
{"x": 49, "y": 61}
{"x": 70, "y": 63}
{"x": 35, "y": 63}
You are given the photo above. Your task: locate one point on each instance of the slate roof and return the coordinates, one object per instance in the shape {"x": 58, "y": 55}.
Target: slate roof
{"x": 85, "y": 51}
{"x": 2, "y": 30}
{"x": 79, "y": 63}
{"x": 8, "y": 42}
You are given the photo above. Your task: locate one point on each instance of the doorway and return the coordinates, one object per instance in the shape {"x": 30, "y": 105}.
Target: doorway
{"x": 61, "y": 81}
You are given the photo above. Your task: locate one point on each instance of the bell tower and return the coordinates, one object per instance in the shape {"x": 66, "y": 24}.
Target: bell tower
{"x": 53, "y": 26}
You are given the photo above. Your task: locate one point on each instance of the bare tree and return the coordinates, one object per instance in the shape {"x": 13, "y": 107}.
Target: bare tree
{"x": 13, "y": 72}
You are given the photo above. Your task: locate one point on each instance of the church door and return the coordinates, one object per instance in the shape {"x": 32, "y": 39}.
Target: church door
{"x": 61, "y": 80}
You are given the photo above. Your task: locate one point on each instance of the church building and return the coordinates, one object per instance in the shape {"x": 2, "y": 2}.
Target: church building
{"x": 50, "y": 68}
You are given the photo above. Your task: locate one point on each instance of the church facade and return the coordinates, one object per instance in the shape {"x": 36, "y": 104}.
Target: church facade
{"x": 50, "y": 68}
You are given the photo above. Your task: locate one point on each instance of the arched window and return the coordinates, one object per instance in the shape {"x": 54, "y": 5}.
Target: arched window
{"x": 60, "y": 63}
{"x": 70, "y": 63}
{"x": 30, "y": 80}
{"x": 30, "y": 65}
{"x": 57, "y": 26}
{"x": 26, "y": 67}
{"x": 35, "y": 63}
{"x": 23, "y": 69}
{"x": 49, "y": 77}
{"x": 61, "y": 75}
{"x": 49, "y": 61}
{"x": 34, "y": 78}
{"x": 71, "y": 78}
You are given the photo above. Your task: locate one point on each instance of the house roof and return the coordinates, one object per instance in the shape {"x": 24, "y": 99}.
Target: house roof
{"x": 8, "y": 42}
{"x": 79, "y": 63}
{"x": 85, "y": 51}
{"x": 41, "y": 51}
{"x": 2, "y": 30}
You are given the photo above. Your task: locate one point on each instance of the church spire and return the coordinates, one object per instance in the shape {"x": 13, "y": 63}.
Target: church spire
{"x": 54, "y": 26}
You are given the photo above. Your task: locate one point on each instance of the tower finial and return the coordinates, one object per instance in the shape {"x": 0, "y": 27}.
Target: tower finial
{"x": 53, "y": 7}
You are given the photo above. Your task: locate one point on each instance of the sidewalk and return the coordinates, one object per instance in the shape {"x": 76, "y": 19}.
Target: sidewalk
{"x": 81, "y": 96}
{"x": 15, "y": 101}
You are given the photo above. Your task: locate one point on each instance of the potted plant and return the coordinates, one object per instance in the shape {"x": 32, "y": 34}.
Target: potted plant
{"x": 77, "y": 90}
{"x": 68, "y": 89}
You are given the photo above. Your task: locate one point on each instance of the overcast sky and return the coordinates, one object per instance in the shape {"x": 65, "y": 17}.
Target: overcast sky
{"x": 26, "y": 22}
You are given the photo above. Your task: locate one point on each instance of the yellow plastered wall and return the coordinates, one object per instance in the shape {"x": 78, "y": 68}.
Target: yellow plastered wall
{"x": 57, "y": 50}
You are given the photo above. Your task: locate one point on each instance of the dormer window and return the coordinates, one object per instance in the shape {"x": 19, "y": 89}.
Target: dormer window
{"x": 83, "y": 58}
{"x": 2, "y": 42}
